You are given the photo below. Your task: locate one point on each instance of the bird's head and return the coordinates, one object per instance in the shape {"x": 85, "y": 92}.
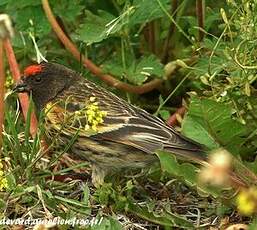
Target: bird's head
{"x": 45, "y": 81}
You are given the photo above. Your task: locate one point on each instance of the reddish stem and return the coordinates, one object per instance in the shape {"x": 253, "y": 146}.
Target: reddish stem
{"x": 2, "y": 81}
{"x": 172, "y": 120}
{"x": 147, "y": 87}
{"x": 23, "y": 97}
{"x": 151, "y": 36}
{"x": 200, "y": 11}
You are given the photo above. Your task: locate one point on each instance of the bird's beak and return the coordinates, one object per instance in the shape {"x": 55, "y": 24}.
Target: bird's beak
{"x": 21, "y": 87}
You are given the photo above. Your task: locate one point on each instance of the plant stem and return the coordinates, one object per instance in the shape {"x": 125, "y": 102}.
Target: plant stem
{"x": 173, "y": 21}
{"x": 171, "y": 94}
{"x": 172, "y": 120}
{"x": 151, "y": 37}
{"x": 200, "y": 11}
{"x": 23, "y": 97}
{"x": 2, "y": 81}
{"x": 112, "y": 81}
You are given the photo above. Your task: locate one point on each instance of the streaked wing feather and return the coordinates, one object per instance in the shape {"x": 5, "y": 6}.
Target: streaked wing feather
{"x": 128, "y": 124}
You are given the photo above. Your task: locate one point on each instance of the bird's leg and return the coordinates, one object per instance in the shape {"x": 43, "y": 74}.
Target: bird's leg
{"x": 98, "y": 175}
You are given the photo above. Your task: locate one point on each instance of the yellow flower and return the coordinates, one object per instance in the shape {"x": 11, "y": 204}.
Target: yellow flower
{"x": 94, "y": 114}
{"x": 8, "y": 82}
{"x": 3, "y": 180}
{"x": 247, "y": 201}
{"x": 3, "y": 184}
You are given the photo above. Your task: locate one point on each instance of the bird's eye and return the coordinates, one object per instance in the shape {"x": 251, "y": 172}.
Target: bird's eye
{"x": 38, "y": 79}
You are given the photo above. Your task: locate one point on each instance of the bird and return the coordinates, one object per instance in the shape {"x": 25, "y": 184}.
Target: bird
{"x": 99, "y": 126}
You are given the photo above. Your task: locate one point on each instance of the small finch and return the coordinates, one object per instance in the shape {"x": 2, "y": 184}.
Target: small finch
{"x": 108, "y": 132}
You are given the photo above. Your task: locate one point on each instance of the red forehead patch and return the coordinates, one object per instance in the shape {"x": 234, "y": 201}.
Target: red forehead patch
{"x": 32, "y": 69}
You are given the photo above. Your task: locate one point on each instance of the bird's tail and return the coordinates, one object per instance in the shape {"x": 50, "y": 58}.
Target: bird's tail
{"x": 238, "y": 175}
{"x": 193, "y": 153}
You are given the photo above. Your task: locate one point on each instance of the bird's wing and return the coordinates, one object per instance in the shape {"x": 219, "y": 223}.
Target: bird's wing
{"x": 123, "y": 122}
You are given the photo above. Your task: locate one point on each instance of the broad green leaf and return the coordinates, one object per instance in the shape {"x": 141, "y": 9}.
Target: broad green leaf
{"x": 186, "y": 172}
{"x": 198, "y": 132}
{"x": 3, "y": 2}
{"x": 68, "y": 10}
{"x": 95, "y": 27}
{"x": 137, "y": 71}
{"x": 147, "y": 66}
{"x": 210, "y": 123}
{"x": 218, "y": 64}
{"x": 21, "y": 3}
{"x": 35, "y": 15}
{"x": 146, "y": 10}
{"x": 150, "y": 65}
{"x": 115, "y": 66}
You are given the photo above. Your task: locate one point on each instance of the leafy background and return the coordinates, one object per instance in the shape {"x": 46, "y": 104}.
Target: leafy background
{"x": 137, "y": 41}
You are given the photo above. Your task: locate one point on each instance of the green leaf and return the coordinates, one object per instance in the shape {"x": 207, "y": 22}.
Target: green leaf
{"x": 150, "y": 65}
{"x": 94, "y": 29}
{"x": 253, "y": 225}
{"x": 114, "y": 68}
{"x": 35, "y": 15}
{"x": 86, "y": 194}
{"x": 108, "y": 223}
{"x": 146, "y": 10}
{"x": 185, "y": 171}
{"x": 210, "y": 123}
{"x": 147, "y": 66}
{"x": 252, "y": 166}
{"x": 3, "y": 204}
{"x": 138, "y": 71}
{"x": 67, "y": 9}
{"x": 167, "y": 219}
{"x": 11, "y": 181}
{"x": 165, "y": 114}
{"x": 103, "y": 193}
{"x": 3, "y": 2}
{"x": 196, "y": 131}
{"x": 22, "y": 3}
{"x": 70, "y": 201}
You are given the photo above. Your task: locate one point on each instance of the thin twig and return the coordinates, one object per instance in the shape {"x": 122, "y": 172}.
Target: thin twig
{"x": 200, "y": 11}
{"x": 171, "y": 94}
{"x": 172, "y": 120}
{"x": 23, "y": 97}
{"x": 147, "y": 87}
{"x": 237, "y": 60}
{"x": 173, "y": 21}
{"x": 151, "y": 36}
{"x": 2, "y": 81}
{"x": 219, "y": 40}
{"x": 5, "y": 33}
